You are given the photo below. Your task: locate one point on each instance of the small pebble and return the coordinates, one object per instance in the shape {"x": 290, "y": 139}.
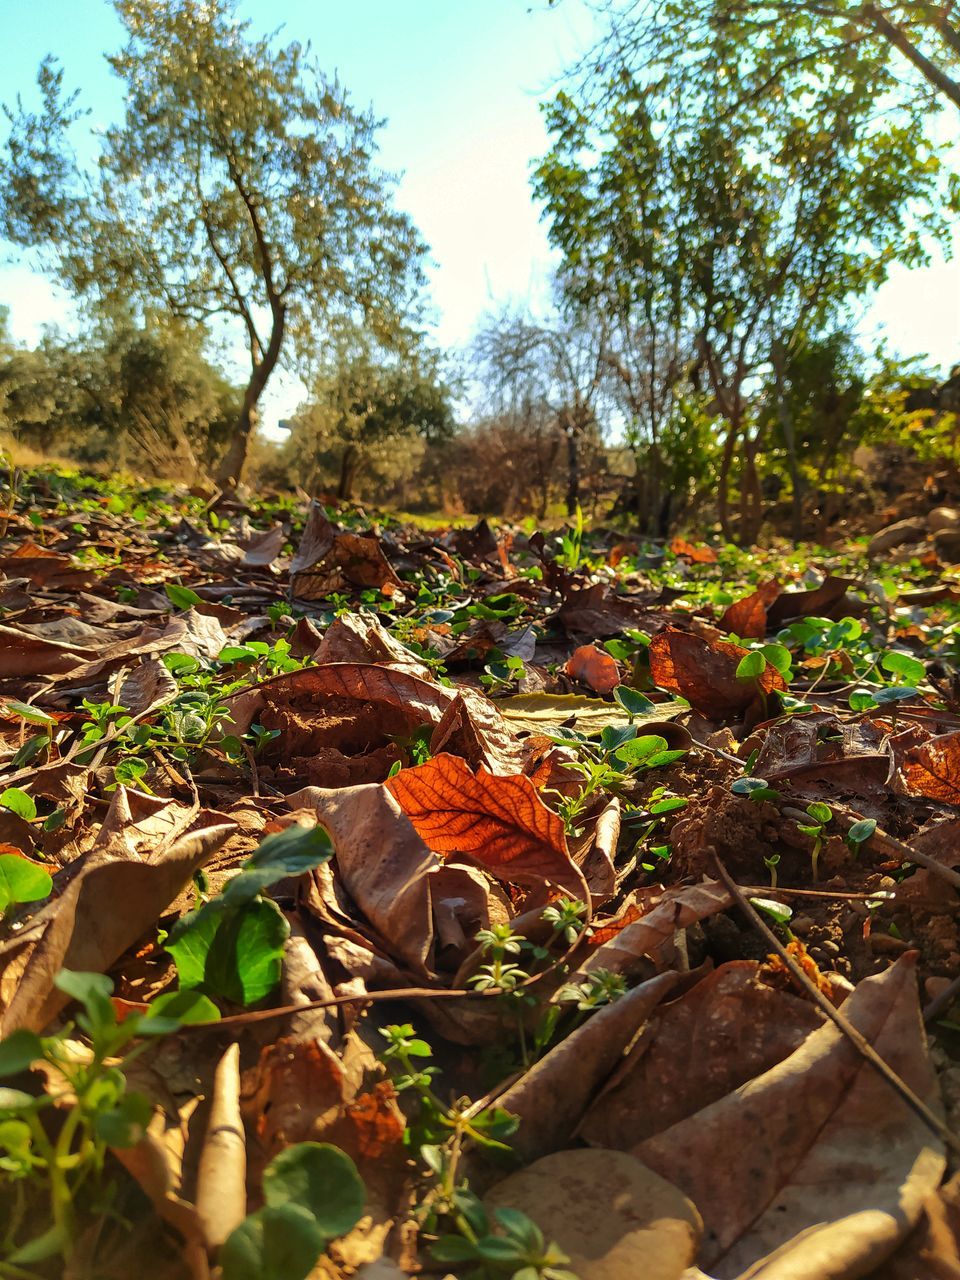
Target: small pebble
{"x": 887, "y": 944}
{"x": 935, "y": 987}
{"x": 801, "y": 925}
{"x": 829, "y": 947}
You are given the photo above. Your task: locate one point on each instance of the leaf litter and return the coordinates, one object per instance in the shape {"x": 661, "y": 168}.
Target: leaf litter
{"x": 377, "y": 901}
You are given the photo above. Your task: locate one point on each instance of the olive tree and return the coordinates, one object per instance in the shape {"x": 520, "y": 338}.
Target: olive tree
{"x": 239, "y": 187}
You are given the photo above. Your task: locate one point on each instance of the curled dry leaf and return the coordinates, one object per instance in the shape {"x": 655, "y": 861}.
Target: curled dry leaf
{"x": 551, "y": 1098}
{"x": 623, "y": 945}
{"x": 102, "y": 912}
{"x": 815, "y": 1169}
{"x": 933, "y": 769}
{"x": 547, "y": 712}
{"x": 704, "y": 672}
{"x": 829, "y": 600}
{"x": 594, "y": 667}
{"x": 614, "y": 1218}
{"x": 499, "y": 822}
{"x": 728, "y": 1028}
{"x": 326, "y": 560}
{"x": 383, "y": 863}
{"x": 748, "y": 617}
{"x": 222, "y": 1175}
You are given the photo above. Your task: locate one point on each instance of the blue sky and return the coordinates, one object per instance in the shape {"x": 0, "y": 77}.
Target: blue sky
{"x": 459, "y": 82}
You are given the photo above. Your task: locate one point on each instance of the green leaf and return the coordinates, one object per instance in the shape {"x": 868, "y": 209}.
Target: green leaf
{"x": 125, "y": 1124}
{"x": 190, "y": 941}
{"x": 93, "y": 991}
{"x": 130, "y": 771}
{"x": 186, "y": 1008}
{"x": 280, "y": 1242}
{"x": 779, "y": 911}
{"x": 820, "y": 812}
{"x": 861, "y": 831}
{"x": 779, "y": 657}
{"x": 17, "y": 1052}
{"x": 453, "y": 1249}
{"x": 26, "y": 712}
{"x": 321, "y": 1179}
{"x": 632, "y": 701}
{"x": 19, "y": 802}
{"x": 751, "y": 666}
{"x": 181, "y": 597}
{"x": 245, "y": 958}
{"x": 895, "y": 693}
{"x": 901, "y": 664}
{"x": 640, "y": 750}
{"x": 22, "y": 881}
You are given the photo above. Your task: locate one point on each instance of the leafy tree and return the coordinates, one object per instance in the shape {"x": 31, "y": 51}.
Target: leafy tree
{"x": 764, "y": 218}
{"x": 240, "y": 187}
{"x": 365, "y": 399}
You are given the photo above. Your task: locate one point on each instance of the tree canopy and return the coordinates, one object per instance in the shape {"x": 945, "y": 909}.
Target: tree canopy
{"x": 240, "y": 186}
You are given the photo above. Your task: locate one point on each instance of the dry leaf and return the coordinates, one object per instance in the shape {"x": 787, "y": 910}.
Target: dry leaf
{"x": 500, "y": 823}
{"x": 933, "y": 769}
{"x": 102, "y": 912}
{"x": 696, "y": 553}
{"x": 594, "y": 667}
{"x": 815, "y": 1169}
{"x": 704, "y": 672}
{"x": 748, "y": 617}
{"x": 614, "y": 1218}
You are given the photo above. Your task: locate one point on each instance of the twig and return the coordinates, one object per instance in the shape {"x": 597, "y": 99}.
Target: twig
{"x": 942, "y": 1001}
{"x": 859, "y": 1041}
{"x": 781, "y": 891}
{"x": 905, "y": 852}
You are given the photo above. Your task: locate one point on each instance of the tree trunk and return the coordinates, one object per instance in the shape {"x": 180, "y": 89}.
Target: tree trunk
{"x": 230, "y": 471}
{"x": 349, "y": 466}
{"x": 723, "y": 479}
{"x": 573, "y": 471}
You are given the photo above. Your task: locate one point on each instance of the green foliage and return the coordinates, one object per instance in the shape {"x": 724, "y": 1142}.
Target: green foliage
{"x": 62, "y": 1166}
{"x": 239, "y": 185}
{"x": 232, "y": 946}
{"x": 312, "y": 1194}
{"x": 21, "y": 881}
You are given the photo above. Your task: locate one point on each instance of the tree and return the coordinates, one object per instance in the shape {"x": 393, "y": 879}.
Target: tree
{"x": 365, "y": 399}
{"x": 764, "y": 218}
{"x": 240, "y": 187}
{"x": 554, "y": 369}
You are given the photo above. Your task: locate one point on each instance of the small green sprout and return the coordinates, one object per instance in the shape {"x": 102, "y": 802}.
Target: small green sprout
{"x": 821, "y": 815}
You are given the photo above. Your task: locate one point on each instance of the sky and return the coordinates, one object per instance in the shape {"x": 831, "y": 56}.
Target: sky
{"x": 459, "y": 83}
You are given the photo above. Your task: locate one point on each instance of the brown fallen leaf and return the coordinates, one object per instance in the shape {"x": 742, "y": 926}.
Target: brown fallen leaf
{"x": 829, "y": 600}
{"x": 593, "y": 667}
{"x": 728, "y": 1028}
{"x": 622, "y": 949}
{"x": 614, "y": 1218}
{"x": 748, "y": 617}
{"x": 696, "y": 553}
{"x": 383, "y": 863}
{"x": 932, "y": 1250}
{"x": 704, "y": 672}
{"x": 551, "y": 1098}
{"x": 326, "y": 560}
{"x": 933, "y": 769}
{"x": 815, "y": 1169}
{"x": 499, "y": 822}
{"x": 222, "y": 1175}
{"x": 102, "y": 912}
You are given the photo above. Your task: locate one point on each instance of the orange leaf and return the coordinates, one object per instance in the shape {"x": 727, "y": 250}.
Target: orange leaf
{"x": 705, "y": 673}
{"x": 748, "y": 617}
{"x": 594, "y": 667}
{"x": 501, "y": 823}
{"x": 699, "y": 554}
{"x": 933, "y": 769}
{"x": 377, "y": 1120}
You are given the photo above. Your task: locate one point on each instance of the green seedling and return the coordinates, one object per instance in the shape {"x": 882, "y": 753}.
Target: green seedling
{"x": 312, "y": 1194}
{"x": 54, "y": 1173}
{"x": 771, "y": 864}
{"x": 755, "y": 789}
{"x": 232, "y": 945}
{"x": 821, "y": 815}
{"x": 860, "y": 834}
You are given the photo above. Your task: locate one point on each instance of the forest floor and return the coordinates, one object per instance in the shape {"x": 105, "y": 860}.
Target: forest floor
{"x": 378, "y": 899}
